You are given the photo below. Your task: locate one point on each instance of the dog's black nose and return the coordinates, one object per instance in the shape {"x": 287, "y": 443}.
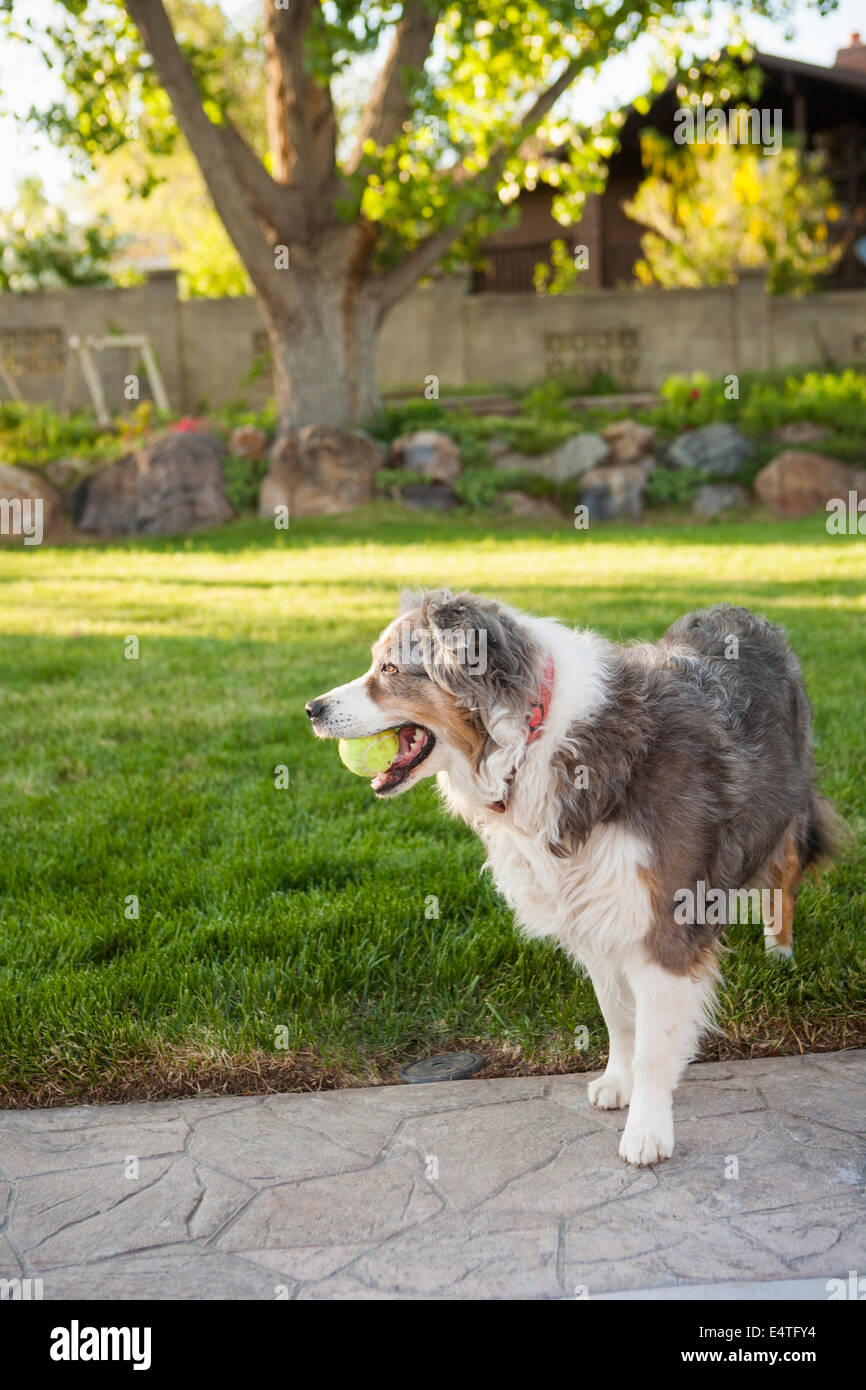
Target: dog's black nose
{"x": 314, "y": 708}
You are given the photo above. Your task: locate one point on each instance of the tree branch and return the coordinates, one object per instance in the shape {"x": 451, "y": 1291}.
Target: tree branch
{"x": 302, "y": 127}
{"x": 281, "y": 207}
{"x": 284, "y": 37}
{"x": 391, "y": 286}
{"x": 206, "y": 142}
{"x": 388, "y": 105}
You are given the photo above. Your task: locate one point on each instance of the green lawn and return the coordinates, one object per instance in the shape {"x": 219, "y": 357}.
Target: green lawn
{"x": 304, "y": 909}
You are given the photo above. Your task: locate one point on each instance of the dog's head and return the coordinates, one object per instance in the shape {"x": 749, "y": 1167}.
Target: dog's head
{"x": 455, "y": 675}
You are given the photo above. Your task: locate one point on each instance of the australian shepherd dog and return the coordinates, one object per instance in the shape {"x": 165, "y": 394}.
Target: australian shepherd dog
{"x": 619, "y": 791}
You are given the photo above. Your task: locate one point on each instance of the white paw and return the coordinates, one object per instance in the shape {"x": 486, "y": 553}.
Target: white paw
{"x": 642, "y": 1144}
{"x": 611, "y": 1091}
{"x": 773, "y": 948}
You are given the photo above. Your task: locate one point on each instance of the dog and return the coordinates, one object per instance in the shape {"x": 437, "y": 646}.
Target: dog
{"x": 611, "y": 785}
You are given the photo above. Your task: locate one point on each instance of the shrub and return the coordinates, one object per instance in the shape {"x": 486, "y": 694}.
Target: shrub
{"x": 31, "y": 435}
{"x": 476, "y": 487}
{"x": 765, "y": 400}
{"x": 229, "y": 417}
{"x": 672, "y": 487}
{"x": 243, "y": 479}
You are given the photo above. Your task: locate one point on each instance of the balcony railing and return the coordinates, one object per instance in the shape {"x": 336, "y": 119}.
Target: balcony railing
{"x": 510, "y": 269}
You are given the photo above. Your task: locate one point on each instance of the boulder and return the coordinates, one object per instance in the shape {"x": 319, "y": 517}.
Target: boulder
{"x": 276, "y": 488}
{"x": 429, "y": 497}
{"x": 577, "y": 455}
{"x": 796, "y": 483}
{"x": 71, "y": 472}
{"x": 248, "y": 442}
{"x": 610, "y": 493}
{"x": 174, "y": 483}
{"x": 533, "y": 508}
{"x": 428, "y": 453}
{"x": 497, "y": 447}
{"x": 720, "y": 450}
{"x": 713, "y": 498}
{"x": 629, "y": 441}
{"x": 31, "y": 510}
{"x": 320, "y": 470}
{"x": 800, "y": 432}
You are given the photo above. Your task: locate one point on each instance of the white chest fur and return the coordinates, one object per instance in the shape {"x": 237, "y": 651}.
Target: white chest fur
{"x": 595, "y": 903}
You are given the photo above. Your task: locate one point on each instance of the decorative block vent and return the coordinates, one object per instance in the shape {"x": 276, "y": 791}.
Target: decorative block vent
{"x": 615, "y": 351}
{"x": 33, "y": 349}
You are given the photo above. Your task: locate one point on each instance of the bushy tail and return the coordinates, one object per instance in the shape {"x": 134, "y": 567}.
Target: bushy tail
{"x": 826, "y": 833}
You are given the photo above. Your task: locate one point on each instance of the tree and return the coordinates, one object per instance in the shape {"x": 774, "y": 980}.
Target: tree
{"x": 342, "y": 215}
{"x": 41, "y": 248}
{"x": 712, "y": 211}
{"x": 165, "y": 206}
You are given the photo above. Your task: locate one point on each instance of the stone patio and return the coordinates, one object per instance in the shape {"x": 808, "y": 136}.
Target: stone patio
{"x": 468, "y": 1189}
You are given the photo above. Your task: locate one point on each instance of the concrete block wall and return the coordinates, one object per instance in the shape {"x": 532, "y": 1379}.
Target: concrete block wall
{"x": 208, "y": 349}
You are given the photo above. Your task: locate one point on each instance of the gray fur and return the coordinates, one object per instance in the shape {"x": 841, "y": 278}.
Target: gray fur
{"x": 708, "y": 759}
{"x": 510, "y": 680}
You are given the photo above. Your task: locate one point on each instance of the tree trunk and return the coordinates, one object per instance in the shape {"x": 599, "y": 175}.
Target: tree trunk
{"x": 324, "y": 353}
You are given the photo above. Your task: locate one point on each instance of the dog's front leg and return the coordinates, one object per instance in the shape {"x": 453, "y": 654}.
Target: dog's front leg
{"x": 613, "y": 1089}
{"x": 670, "y": 1013}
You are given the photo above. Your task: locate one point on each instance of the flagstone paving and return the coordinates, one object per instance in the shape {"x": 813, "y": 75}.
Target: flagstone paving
{"x": 467, "y": 1189}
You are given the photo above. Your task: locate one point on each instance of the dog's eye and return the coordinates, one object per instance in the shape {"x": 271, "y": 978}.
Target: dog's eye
{"x": 388, "y": 668}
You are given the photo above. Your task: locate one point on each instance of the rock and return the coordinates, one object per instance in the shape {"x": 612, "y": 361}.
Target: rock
{"x": 796, "y": 483}
{"x": 713, "y": 498}
{"x": 31, "y": 510}
{"x": 71, "y": 472}
{"x": 276, "y": 488}
{"x": 248, "y": 442}
{"x": 628, "y": 440}
{"x": 429, "y": 497}
{"x": 610, "y": 493}
{"x": 720, "y": 450}
{"x": 320, "y": 470}
{"x": 534, "y": 508}
{"x": 428, "y": 453}
{"x": 497, "y": 447}
{"x": 174, "y": 483}
{"x": 577, "y": 455}
{"x": 800, "y": 432}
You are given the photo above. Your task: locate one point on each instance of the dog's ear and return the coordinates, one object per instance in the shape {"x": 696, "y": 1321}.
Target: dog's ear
{"x": 410, "y": 599}
{"x": 483, "y": 656}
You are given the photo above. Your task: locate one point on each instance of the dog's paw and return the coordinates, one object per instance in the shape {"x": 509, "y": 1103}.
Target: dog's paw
{"x": 642, "y": 1144}
{"x": 777, "y": 952}
{"x": 611, "y": 1091}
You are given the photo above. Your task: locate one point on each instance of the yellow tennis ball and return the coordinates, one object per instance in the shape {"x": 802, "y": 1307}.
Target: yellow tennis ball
{"x": 367, "y": 756}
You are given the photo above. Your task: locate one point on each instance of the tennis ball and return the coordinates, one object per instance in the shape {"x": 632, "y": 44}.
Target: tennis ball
{"x": 367, "y": 756}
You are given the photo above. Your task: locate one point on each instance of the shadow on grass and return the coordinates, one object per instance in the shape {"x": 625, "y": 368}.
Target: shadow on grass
{"x": 388, "y": 524}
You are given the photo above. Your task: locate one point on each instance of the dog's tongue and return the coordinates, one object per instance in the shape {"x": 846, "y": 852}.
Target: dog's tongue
{"x": 411, "y": 743}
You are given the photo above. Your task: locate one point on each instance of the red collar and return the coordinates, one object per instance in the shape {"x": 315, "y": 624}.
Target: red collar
{"x": 535, "y": 719}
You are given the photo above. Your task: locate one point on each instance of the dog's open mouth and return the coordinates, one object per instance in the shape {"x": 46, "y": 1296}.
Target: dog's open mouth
{"x": 415, "y": 745}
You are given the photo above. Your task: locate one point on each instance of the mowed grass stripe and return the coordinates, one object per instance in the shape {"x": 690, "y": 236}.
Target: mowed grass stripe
{"x": 302, "y": 917}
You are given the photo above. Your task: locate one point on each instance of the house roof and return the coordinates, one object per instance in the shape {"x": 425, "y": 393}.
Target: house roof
{"x": 822, "y": 87}
{"x": 841, "y": 75}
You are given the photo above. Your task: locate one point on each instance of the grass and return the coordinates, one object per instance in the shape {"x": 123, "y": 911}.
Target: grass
{"x": 285, "y": 936}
